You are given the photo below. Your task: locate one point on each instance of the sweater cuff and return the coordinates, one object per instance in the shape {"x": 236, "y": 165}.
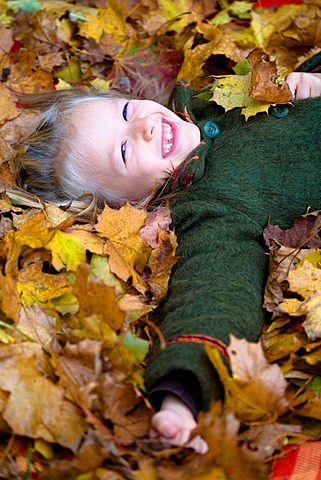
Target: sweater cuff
{"x": 181, "y": 383}
{"x": 311, "y": 64}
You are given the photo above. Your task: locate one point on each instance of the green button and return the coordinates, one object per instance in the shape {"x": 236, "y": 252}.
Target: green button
{"x": 211, "y": 129}
{"x": 279, "y": 111}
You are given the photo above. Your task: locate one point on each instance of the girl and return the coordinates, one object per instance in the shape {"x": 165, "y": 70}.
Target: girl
{"x": 231, "y": 176}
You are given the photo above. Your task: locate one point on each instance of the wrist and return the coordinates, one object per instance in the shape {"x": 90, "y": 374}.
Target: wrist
{"x": 174, "y": 404}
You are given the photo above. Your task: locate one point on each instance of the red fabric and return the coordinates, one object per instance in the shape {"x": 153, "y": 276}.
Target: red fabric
{"x": 277, "y": 3}
{"x": 299, "y": 462}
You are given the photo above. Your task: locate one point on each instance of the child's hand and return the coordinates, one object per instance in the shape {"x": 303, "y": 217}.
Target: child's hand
{"x": 304, "y": 85}
{"x": 174, "y": 423}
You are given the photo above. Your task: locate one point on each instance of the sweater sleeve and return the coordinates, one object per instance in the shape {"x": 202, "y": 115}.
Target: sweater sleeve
{"x": 216, "y": 289}
{"x": 312, "y": 64}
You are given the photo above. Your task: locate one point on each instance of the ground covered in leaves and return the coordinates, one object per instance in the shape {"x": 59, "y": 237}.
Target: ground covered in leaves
{"x": 79, "y": 298}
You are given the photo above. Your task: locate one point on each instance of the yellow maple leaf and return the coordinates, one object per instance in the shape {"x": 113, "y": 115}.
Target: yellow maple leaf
{"x": 180, "y": 10}
{"x": 97, "y": 298}
{"x": 305, "y": 281}
{"x": 36, "y": 232}
{"x": 110, "y": 20}
{"x": 69, "y": 247}
{"x": 36, "y": 286}
{"x": 233, "y": 91}
{"x": 128, "y": 252}
{"x": 194, "y": 58}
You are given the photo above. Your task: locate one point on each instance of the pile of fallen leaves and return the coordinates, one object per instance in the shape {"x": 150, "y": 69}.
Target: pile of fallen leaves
{"x": 78, "y": 300}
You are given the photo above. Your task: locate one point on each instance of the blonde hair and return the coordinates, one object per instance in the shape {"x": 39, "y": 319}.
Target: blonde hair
{"x": 53, "y": 161}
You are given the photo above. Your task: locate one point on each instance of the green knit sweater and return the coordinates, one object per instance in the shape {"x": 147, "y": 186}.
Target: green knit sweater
{"x": 265, "y": 167}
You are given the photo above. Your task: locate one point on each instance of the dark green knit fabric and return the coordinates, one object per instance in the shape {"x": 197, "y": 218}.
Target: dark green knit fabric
{"x": 264, "y": 167}
{"x": 311, "y": 63}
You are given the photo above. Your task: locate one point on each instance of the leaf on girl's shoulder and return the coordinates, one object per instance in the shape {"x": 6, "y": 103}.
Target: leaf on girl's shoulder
{"x": 232, "y": 91}
{"x": 267, "y": 81}
{"x": 258, "y": 84}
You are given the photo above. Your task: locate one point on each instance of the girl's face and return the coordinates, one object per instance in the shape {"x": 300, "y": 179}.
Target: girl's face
{"x": 133, "y": 144}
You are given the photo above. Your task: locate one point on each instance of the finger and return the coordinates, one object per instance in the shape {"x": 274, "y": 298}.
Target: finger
{"x": 316, "y": 88}
{"x": 292, "y": 81}
{"x": 199, "y": 445}
{"x": 162, "y": 425}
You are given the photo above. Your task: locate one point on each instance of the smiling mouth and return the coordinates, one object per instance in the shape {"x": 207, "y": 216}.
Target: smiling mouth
{"x": 167, "y": 139}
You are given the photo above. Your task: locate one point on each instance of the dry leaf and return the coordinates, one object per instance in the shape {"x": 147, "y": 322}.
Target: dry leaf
{"x": 265, "y": 85}
{"x": 251, "y": 373}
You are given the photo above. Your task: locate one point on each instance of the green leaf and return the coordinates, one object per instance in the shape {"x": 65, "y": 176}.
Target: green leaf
{"x": 222, "y": 18}
{"x": 243, "y": 67}
{"x": 316, "y": 385}
{"x": 66, "y": 304}
{"x": 205, "y": 95}
{"x": 239, "y": 8}
{"x": 137, "y": 346}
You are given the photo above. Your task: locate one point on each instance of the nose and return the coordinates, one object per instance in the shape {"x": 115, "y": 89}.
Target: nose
{"x": 144, "y": 127}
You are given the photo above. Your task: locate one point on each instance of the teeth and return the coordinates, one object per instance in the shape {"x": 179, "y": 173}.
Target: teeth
{"x": 167, "y": 139}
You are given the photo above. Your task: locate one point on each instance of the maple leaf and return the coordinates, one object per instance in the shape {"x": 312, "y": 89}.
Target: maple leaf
{"x": 306, "y": 282}
{"x": 36, "y": 286}
{"x": 255, "y": 91}
{"x": 266, "y": 84}
{"x": 110, "y": 20}
{"x": 8, "y": 107}
{"x": 251, "y": 373}
{"x": 69, "y": 248}
{"x": 128, "y": 252}
{"x": 138, "y": 44}
{"x": 100, "y": 299}
{"x": 195, "y": 57}
{"x": 304, "y": 231}
{"x": 149, "y": 68}
{"x": 299, "y": 269}
{"x": 128, "y": 413}
{"x": 159, "y": 218}
{"x": 233, "y": 91}
{"x": 36, "y": 407}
